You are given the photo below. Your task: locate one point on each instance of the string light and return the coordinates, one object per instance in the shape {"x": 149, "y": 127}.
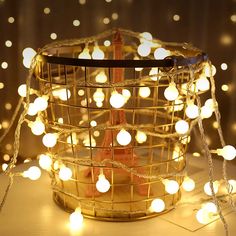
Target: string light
{"x": 41, "y": 103}
{"x": 76, "y": 219}
{"x": 106, "y": 20}
{"x": 32, "y": 173}
{"x": 126, "y": 94}
{"x": 144, "y": 92}
{"x": 207, "y": 188}
{"x": 228, "y": 152}
{"x": 171, "y": 92}
{"x": 4, "y": 65}
{"x": 181, "y": 127}
{"x": 192, "y": 111}
{"x": 107, "y": 43}
{"x": 123, "y": 137}
{"x": 188, "y": 184}
{"x": 171, "y": 186}
{"x": 206, "y": 112}
{"x": 22, "y": 90}
{"x": 232, "y": 183}
{"x": 144, "y": 49}
{"x": 65, "y": 173}
{"x": 32, "y": 110}
{"x": 37, "y": 127}
{"x": 157, "y": 205}
{"x": 141, "y": 137}
{"x": 84, "y": 54}
{"x": 225, "y": 87}
{"x": 50, "y": 140}
{"x": 63, "y": 94}
{"x": 117, "y": 100}
{"x": 102, "y": 185}
{"x": 53, "y": 36}
{"x": 101, "y": 77}
{"x": 45, "y": 162}
{"x": 98, "y": 96}
{"x": 224, "y": 66}
{"x": 161, "y": 53}
{"x": 203, "y": 216}
{"x": 97, "y": 53}
{"x": 76, "y": 23}
{"x": 203, "y": 83}
{"x": 209, "y": 71}
{"x": 8, "y": 43}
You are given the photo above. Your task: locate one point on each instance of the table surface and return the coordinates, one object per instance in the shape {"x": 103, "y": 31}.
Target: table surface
{"x": 30, "y": 210}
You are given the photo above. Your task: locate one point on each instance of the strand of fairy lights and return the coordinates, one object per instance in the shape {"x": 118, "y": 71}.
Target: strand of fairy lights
{"x": 172, "y": 88}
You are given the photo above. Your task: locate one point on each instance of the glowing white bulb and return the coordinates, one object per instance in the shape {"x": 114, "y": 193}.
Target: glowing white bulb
{"x": 32, "y": 110}
{"x": 50, "y": 140}
{"x": 153, "y": 74}
{"x": 171, "y": 92}
{"x": 145, "y": 36}
{"x": 41, "y": 103}
{"x": 210, "y": 207}
{"x": 28, "y": 55}
{"x": 22, "y": 90}
{"x": 123, "y": 137}
{"x": 76, "y": 219}
{"x": 228, "y": 152}
{"x": 188, "y": 184}
{"x": 4, "y": 166}
{"x": 85, "y": 54}
{"x": 37, "y": 127}
{"x": 203, "y": 216}
{"x": 203, "y": 83}
{"x": 117, "y": 100}
{"x": 232, "y": 183}
{"x": 144, "y": 49}
{"x": 181, "y": 127}
{"x": 45, "y": 162}
{"x": 98, "y": 96}
{"x": 102, "y": 185}
{"x": 157, "y": 205}
{"x": 171, "y": 186}
{"x": 101, "y": 77}
{"x": 126, "y": 94}
{"x": 161, "y": 53}
{"x": 209, "y": 70}
{"x": 192, "y": 111}
{"x": 97, "y": 53}
{"x": 93, "y": 123}
{"x": 206, "y": 112}
{"x": 72, "y": 139}
{"x": 207, "y": 188}
{"x": 141, "y": 137}
{"x": 144, "y": 92}
{"x": 65, "y": 173}
{"x": 32, "y": 173}
{"x": 210, "y": 104}
{"x": 64, "y": 94}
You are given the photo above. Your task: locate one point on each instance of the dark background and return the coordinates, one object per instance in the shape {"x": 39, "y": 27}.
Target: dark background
{"x": 208, "y": 24}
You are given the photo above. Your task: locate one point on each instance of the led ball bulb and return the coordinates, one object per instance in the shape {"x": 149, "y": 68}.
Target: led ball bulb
{"x": 228, "y": 152}
{"x": 37, "y": 127}
{"x": 85, "y": 54}
{"x": 50, "y": 140}
{"x": 32, "y": 110}
{"x": 210, "y": 104}
{"x": 123, "y": 137}
{"x": 206, "y": 112}
{"x": 161, "y": 53}
{"x": 32, "y": 173}
{"x": 76, "y": 219}
{"x": 22, "y": 90}
{"x": 141, "y": 137}
{"x": 171, "y": 186}
{"x": 98, "y": 53}
{"x": 203, "y": 83}
{"x": 171, "y": 92}
{"x": 41, "y": 103}
{"x": 102, "y": 185}
{"x": 126, "y": 94}
{"x": 145, "y": 36}
{"x": 144, "y": 49}
{"x": 203, "y": 216}
{"x": 207, "y": 188}
{"x": 181, "y": 127}
{"x": 232, "y": 186}
{"x": 157, "y": 205}
{"x": 117, "y": 100}
{"x": 188, "y": 184}
{"x": 64, "y": 94}
{"x": 45, "y": 162}
{"x": 192, "y": 111}
{"x": 98, "y": 96}
{"x": 144, "y": 92}
{"x": 101, "y": 77}
{"x": 153, "y": 74}
{"x": 210, "y": 207}
{"x": 65, "y": 173}
{"x": 209, "y": 71}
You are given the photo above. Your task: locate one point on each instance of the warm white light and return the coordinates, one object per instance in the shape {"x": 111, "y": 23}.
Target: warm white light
{"x": 46, "y": 10}
{"x": 224, "y": 66}
{"x": 102, "y": 185}
{"x": 123, "y": 137}
{"x": 171, "y": 186}
{"x": 210, "y": 104}
{"x": 50, "y": 140}
{"x": 210, "y": 207}
{"x": 65, "y": 173}
{"x": 8, "y": 43}
{"x": 233, "y": 18}
{"x": 28, "y": 53}
{"x": 107, "y": 43}
{"x": 228, "y": 152}
{"x": 177, "y": 154}
{"x": 176, "y": 17}
{"x": 81, "y": 92}
{"x": 72, "y": 139}
{"x": 145, "y": 36}
{"x": 232, "y": 183}
{"x": 11, "y": 20}
{"x": 32, "y": 110}
{"x": 171, "y": 92}
{"x": 203, "y": 83}
{"x": 188, "y": 184}
{"x": 98, "y": 96}
{"x": 141, "y": 137}
{"x": 192, "y": 111}
{"x": 126, "y": 94}
{"x": 157, "y": 205}
{"x": 32, "y": 173}
{"x": 85, "y": 54}
{"x": 161, "y": 53}
{"x": 144, "y": 49}
{"x": 22, "y": 90}
{"x": 207, "y": 188}
{"x": 4, "y": 65}
{"x": 117, "y": 100}
{"x": 64, "y": 94}
{"x": 144, "y": 92}
{"x": 225, "y": 87}
{"x": 203, "y": 216}
{"x": 93, "y": 123}
{"x": 181, "y": 127}
{"x": 101, "y": 77}
{"x": 178, "y": 105}
{"x": 76, "y": 23}
{"x": 106, "y": 20}
{"x": 153, "y": 74}
{"x": 76, "y": 219}
{"x": 97, "y": 53}
{"x": 41, "y": 103}
{"x": 45, "y": 161}
{"x": 206, "y": 112}
{"x": 53, "y": 36}
{"x": 87, "y": 143}
{"x": 209, "y": 71}
{"x": 37, "y": 127}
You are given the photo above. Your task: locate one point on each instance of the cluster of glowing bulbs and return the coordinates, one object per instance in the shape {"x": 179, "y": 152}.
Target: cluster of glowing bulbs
{"x": 32, "y": 173}
{"x": 97, "y": 53}
{"x": 228, "y": 152}
{"x": 207, "y": 188}
{"x": 28, "y": 55}
{"x": 62, "y": 93}
{"x": 206, "y": 213}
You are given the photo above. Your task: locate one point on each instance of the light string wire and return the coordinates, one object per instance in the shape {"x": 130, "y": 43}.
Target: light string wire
{"x": 75, "y": 42}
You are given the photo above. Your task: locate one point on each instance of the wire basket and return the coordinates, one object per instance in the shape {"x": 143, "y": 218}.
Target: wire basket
{"x": 116, "y": 128}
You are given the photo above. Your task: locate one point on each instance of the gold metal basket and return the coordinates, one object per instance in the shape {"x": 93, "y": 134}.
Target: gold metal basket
{"x": 111, "y": 118}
